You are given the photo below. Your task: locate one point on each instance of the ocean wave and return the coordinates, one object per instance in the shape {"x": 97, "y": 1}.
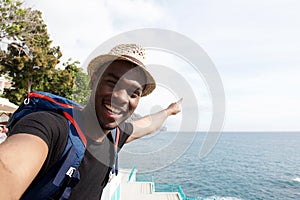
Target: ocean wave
{"x": 220, "y": 198}
{"x": 297, "y": 179}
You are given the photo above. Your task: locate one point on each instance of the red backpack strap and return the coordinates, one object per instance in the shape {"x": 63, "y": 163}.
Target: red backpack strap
{"x": 80, "y": 133}
{"x": 116, "y": 137}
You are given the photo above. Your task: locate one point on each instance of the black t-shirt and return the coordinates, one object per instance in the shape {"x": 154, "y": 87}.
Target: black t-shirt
{"x": 97, "y": 161}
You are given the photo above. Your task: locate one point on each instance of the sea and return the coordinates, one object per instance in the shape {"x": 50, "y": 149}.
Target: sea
{"x": 238, "y": 165}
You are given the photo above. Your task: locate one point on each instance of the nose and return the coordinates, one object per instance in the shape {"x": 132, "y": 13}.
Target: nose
{"x": 120, "y": 97}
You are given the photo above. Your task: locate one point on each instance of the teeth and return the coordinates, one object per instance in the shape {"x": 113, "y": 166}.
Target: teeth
{"x": 113, "y": 109}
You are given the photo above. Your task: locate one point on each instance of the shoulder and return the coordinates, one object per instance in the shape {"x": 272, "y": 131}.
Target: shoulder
{"x": 43, "y": 116}
{"x": 47, "y": 117}
{"x": 46, "y": 125}
{"x": 51, "y": 127}
{"x": 126, "y": 130}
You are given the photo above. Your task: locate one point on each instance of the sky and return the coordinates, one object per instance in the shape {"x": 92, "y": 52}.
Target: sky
{"x": 254, "y": 45}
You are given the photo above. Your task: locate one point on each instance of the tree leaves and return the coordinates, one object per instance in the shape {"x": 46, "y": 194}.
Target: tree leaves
{"x": 26, "y": 55}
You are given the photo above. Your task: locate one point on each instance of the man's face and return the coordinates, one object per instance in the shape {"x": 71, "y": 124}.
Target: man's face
{"x": 118, "y": 93}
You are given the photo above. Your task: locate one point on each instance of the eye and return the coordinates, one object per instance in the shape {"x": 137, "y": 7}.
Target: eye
{"x": 135, "y": 93}
{"x": 111, "y": 82}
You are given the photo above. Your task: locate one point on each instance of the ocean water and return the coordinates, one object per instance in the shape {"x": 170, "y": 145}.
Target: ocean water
{"x": 240, "y": 165}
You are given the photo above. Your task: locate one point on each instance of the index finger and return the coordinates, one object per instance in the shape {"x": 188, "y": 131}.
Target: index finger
{"x": 180, "y": 100}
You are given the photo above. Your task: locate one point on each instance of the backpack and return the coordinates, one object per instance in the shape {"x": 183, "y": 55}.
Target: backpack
{"x": 64, "y": 175}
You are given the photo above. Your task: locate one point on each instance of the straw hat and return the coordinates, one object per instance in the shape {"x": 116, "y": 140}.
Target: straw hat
{"x": 129, "y": 52}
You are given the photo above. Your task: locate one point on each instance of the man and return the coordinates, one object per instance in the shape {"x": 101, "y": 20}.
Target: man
{"x": 118, "y": 80}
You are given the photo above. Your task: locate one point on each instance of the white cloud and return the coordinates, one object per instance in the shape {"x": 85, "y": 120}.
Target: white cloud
{"x": 136, "y": 10}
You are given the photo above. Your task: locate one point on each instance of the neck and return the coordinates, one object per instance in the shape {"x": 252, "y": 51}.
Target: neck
{"x": 91, "y": 125}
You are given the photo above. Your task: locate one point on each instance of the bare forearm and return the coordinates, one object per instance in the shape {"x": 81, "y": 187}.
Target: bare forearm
{"x": 151, "y": 123}
{"x": 21, "y": 158}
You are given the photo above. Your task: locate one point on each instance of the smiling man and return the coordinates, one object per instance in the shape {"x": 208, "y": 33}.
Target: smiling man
{"x": 37, "y": 141}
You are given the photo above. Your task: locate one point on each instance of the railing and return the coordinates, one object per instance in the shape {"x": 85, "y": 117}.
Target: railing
{"x": 161, "y": 187}
{"x": 117, "y": 194}
{"x": 131, "y": 173}
{"x": 180, "y": 191}
{"x": 148, "y": 178}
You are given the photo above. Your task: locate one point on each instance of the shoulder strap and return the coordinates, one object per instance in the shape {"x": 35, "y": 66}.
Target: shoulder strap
{"x": 116, "y": 137}
{"x": 74, "y": 123}
{"x": 63, "y": 176}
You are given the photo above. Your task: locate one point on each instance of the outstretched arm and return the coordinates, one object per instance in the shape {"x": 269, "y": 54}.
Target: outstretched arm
{"x": 21, "y": 158}
{"x": 150, "y": 123}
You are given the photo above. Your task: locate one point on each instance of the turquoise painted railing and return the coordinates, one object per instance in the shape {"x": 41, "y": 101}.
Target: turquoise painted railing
{"x": 161, "y": 187}
{"x": 180, "y": 191}
{"x": 117, "y": 194}
{"x": 131, "y": 173}
{"x": 148, "y": 178}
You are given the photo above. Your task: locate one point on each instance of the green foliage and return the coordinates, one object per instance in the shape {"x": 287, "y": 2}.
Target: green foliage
{"x": 17, "y": 22}
{"x": 26, "y": 55}
{"x": 81, "y": 91}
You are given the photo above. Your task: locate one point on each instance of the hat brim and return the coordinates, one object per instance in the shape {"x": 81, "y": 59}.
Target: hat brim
{"x": 99, "y": 61}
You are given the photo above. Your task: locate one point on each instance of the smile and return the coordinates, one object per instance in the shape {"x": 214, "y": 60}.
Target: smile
{"x": 112, "y": 109}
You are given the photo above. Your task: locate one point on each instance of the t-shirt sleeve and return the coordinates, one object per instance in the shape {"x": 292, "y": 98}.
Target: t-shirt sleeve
{"x": 50, "y": 127}
{"x": 45, "y": 125}
{"x": 125, "y": 131}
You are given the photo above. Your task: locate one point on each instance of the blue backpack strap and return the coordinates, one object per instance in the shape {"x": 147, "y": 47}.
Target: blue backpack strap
{"x": 116, "y": 137}
{"x": 68, "y": 175}
{"x": 64, "y": 175}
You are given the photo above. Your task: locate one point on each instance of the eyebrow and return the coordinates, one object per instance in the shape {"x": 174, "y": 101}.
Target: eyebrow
{"x": 118, "y": 78}
{"x": 113, "y": 75}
